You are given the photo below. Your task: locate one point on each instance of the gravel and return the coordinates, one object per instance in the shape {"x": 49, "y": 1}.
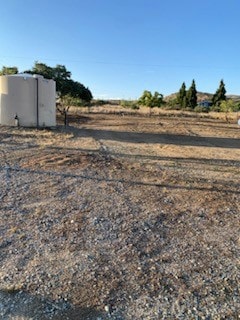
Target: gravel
{"x": 92, "y": 236}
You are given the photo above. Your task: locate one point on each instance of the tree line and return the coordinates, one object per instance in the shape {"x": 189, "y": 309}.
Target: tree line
{"x": 72, "y": 92}
{"x": 188, "y": 98}
{"x": 65, "y": 86}
{"x": 185, "y": 99}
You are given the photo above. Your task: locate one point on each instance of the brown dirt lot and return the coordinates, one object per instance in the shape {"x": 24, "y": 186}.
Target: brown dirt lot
{"x": 128, "y": 213}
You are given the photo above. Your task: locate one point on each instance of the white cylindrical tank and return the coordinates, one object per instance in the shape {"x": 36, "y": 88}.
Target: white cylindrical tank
{"x": 29, "y": 99}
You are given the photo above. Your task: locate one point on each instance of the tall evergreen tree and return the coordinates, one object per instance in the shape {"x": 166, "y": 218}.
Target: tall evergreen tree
{"x": 192, "y": 96}
{"x": 181, "y": 97}
{"x": 220, "y": 94}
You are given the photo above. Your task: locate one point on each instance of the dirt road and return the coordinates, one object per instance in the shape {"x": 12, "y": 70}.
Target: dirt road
{"x": 120, "y": 217}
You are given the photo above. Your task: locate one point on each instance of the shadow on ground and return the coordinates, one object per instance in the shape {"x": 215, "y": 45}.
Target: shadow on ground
{"x": 142, "y": 137}
{"x": 21, "y": 305}
{"x": 157, "y": 138}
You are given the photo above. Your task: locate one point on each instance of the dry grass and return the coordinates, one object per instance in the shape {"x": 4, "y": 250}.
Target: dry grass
{"x": 231, "y": 116}
{"x": 136, "y": 214}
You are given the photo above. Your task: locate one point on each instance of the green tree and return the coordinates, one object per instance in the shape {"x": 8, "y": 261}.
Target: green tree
{"x": 42, "y": 69}
{"x": 63, "y": 106}
{"x": 228, "y": 106}
{"x": 150, "y": 100}
{"x": 76, "y": 90}
{"x": 191, "y": 96}
{"x": 181, "y": 97}
{"x": 67, "y": 89}
{"x": 64, "y": 84}
{"x": 146, "y": 99}
{"x": 157, "y": 99}
{"x": 8, "y": 70}
{"x": 220, "y": 95}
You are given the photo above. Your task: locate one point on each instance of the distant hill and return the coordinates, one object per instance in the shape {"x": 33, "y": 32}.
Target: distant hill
{"x": 234, "y": 97}
{"x": 203, "y": 96}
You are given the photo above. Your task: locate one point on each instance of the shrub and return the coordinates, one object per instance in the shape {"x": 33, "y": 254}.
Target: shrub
{"x": 129, "y": 104}
{"x": 134, "y": 106}
{"x": 201, "y": 109}
{"x": 215, "y": 108}
{"x": 229, "y": 106}
{"x": 100, "y": 102}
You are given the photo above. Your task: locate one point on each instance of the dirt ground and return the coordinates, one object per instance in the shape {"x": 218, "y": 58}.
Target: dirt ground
{"x": 121, "y": 216}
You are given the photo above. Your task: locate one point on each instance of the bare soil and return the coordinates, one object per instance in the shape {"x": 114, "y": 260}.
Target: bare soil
{"x": 121, "y": 216}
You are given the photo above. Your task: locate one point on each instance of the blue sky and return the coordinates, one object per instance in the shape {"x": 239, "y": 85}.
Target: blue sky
{"x": 119, "y": 48}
